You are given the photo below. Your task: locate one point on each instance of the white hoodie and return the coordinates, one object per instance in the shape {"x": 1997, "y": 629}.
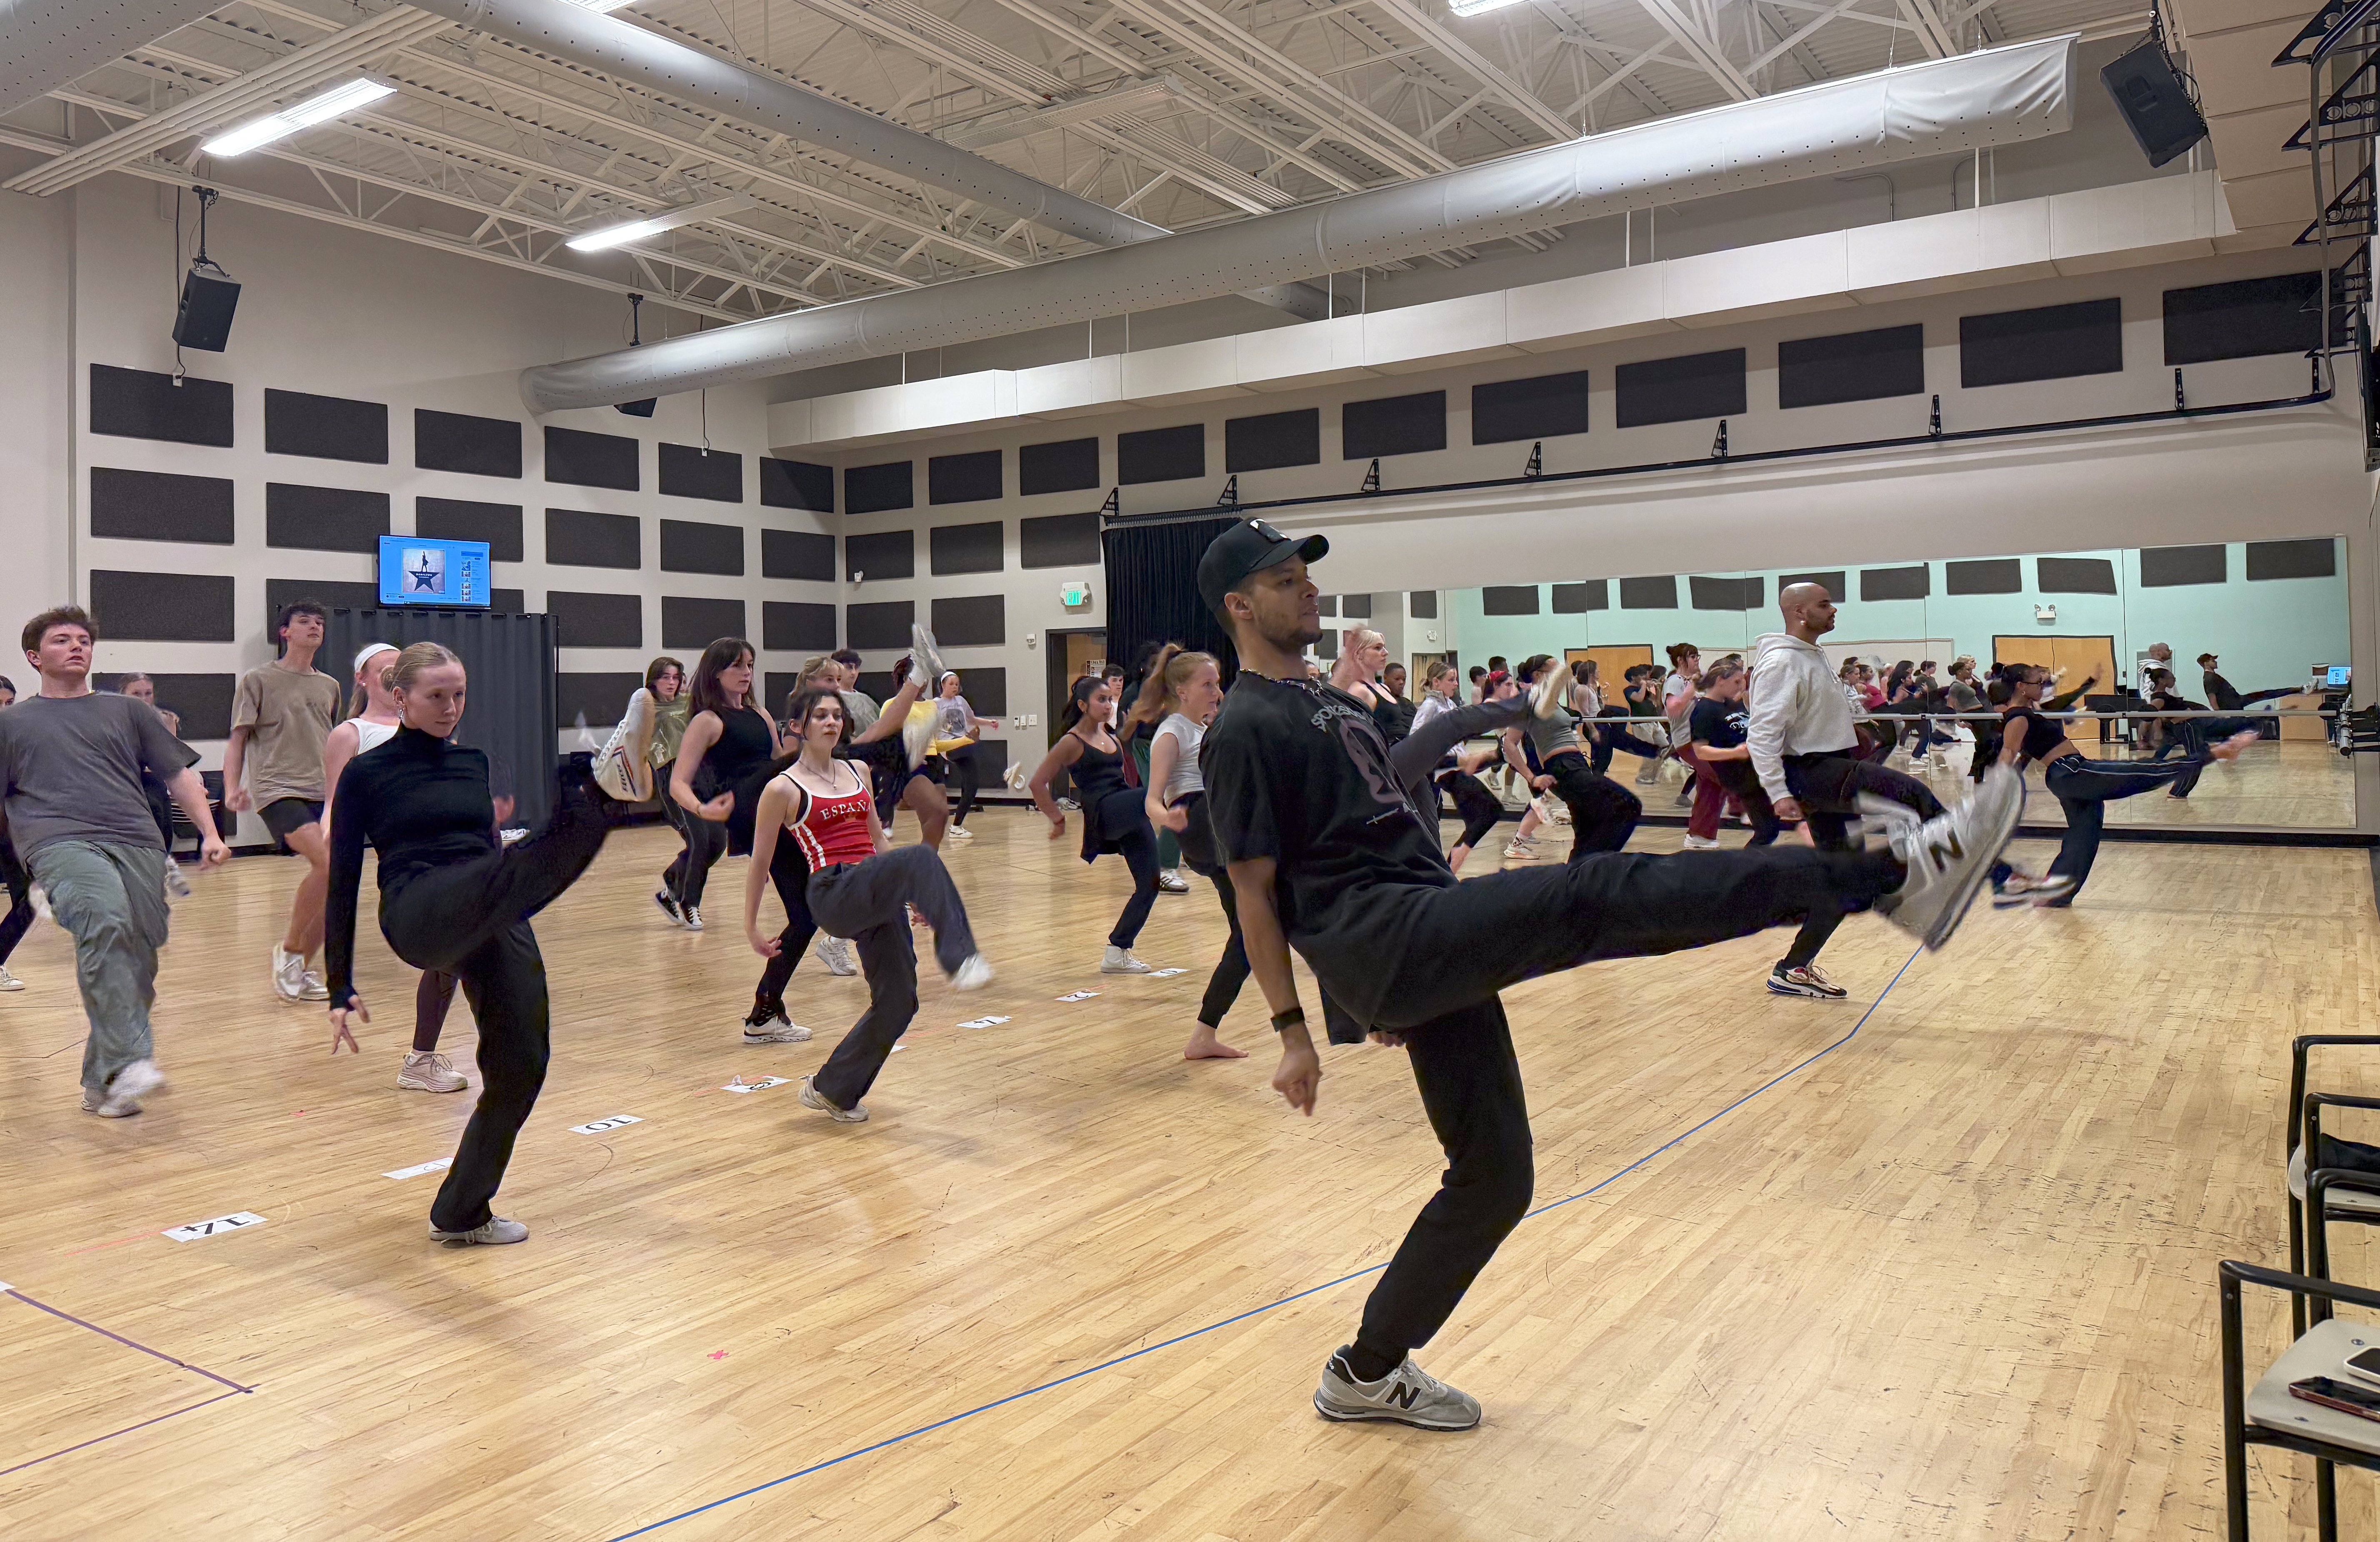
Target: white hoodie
{"x": 1797, "y": 708}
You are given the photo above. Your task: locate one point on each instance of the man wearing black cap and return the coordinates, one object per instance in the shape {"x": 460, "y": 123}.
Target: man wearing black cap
{"x": 1328, "y": 853}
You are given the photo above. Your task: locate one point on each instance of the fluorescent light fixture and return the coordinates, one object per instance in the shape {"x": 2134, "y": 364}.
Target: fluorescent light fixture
{"x": 1477, "y": 7}
{"x": 652, "y": 225}
{"x": 599, "y": 6}
{"x": 343, "y": 98}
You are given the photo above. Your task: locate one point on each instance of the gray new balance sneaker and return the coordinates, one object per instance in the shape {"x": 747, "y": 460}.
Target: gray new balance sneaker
{"x": 1949, "y": 859}
{"x": 1406, "y": 1395}
{"x": 493, "y": 1232}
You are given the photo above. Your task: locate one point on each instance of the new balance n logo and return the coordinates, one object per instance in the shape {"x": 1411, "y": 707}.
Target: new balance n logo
{"x": 1404, "y": 1395}
{"x": 1946, "y": 850}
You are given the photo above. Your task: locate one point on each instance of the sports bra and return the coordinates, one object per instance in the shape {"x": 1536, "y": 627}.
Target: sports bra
{"x": 833, "y": 829}
{"x": 372, "y": 736}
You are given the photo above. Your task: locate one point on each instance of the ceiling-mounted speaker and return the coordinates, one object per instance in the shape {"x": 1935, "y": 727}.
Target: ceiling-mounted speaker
{"x": 638, "y": 409}
{"x": 2155, "y": 103}
{"x": 204, "y": 319}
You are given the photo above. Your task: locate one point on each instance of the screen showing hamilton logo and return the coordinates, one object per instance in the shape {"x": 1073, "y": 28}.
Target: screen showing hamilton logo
{"x": 417, "y": 569}
{"x": 425, "y": 571}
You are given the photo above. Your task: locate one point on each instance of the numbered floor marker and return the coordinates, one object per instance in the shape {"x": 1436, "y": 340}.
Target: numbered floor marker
{"x": 600, "y": 1125}
{"x": 1161, "y": 974}
{"x": 1078, "y": 995}
{"x": 238, "y": 1220}
{"x": 418, "y": 1168}
{"x": 983, "y": 1022}
{"x": 740, "y": 1085}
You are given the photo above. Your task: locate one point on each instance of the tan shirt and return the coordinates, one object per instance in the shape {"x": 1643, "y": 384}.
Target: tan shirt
{"x": 288, "y": 717}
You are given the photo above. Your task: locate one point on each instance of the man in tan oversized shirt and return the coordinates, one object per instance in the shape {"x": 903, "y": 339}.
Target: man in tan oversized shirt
{"x": 280, "y": 718}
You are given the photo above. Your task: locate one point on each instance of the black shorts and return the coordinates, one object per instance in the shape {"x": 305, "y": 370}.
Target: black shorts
{"x": 284, "y": 815}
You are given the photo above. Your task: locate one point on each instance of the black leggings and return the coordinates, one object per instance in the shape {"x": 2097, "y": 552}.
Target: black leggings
{"x": 791, "y": 876}
{"x": 706, "y": 842}
{"x": 471, "y": 918}
{"x": 20, "y": 900}
{"x": 868, "y": 902}
{"x": 1602, "y": 812}
{"x": 1122, "y": 817}
{"x": 961, "y": 761}
{"x": 433, "y": 997}
{"x": 1611, "y": 733}
{"x": 1198, "y": 854}
{"x": 1474, "y": 804}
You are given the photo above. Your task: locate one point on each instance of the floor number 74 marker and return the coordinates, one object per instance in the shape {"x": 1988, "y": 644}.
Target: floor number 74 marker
{"x": 236, "y": 1220}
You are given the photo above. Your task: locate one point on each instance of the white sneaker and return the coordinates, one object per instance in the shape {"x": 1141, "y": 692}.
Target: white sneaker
{"x": 314, "y": 990}
{"x": 108, "y": 1106}
{"x": 1170, "y": 880}
{"x": 835, "y": 954}
{"x": 1068, "y": 805}
{"x": 288, "y": 974}
{"x": 494, "y": 1232}
{"x": 1119, "y": 960}
{"x": 1406, "y": 1395}
{"x": 1545, "y": 692}
{"x": 1949, "y": 859}
{"x": 810, "y": 1099}
{"x": 692, "y": 916}
{"x": 9, "y": 982}
{"x": 429, "y": 1071}
{"x": 1520, "y": 850}
{"x": 926, "y": 655}
{"x": 763, "y": 1027}
{"x": 959, "y": 832}
{"x": 138, "y": 1079}
{"x": 972, "y": 975}
{"x": 176, "y": 886}
{"x": 1702, "y": 843}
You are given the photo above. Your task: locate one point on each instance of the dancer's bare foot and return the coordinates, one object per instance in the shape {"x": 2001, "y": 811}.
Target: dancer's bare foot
{"x": 2229, "y": 749}
{"x": 1203, "y": 1045}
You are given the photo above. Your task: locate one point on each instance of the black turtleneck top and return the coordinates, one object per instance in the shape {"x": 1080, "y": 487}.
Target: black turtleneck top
{"x": 422, "y": 802}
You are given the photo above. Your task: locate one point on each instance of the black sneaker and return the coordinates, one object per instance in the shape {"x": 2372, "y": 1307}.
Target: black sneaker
{"x": 669, "y": 905}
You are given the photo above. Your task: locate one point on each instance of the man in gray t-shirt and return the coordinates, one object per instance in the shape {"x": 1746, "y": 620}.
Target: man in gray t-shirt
{"x": 70, "y": 794}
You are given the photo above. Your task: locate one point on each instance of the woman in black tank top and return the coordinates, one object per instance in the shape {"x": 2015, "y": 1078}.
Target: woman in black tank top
{"x": 729, "y": 744}
{"x": 1114, "y": 819}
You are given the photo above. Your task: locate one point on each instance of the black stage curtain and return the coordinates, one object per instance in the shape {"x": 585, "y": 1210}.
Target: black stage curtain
{"x": 1152, "y": 573}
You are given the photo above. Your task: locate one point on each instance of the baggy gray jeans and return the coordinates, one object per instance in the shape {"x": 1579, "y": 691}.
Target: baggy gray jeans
{"x": 111, "y": 899}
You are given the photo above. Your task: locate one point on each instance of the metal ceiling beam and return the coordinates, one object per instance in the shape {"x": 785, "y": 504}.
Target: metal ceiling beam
{"x": 1522, "y": 100}
{"x": 1701, "y": 49}
{"x": 45, "y": 46}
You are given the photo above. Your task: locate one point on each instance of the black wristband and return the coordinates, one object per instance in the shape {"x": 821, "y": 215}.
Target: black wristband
{"x": 1283, "y": 1019}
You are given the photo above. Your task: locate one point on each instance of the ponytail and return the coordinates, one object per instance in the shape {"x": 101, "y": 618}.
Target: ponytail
{"x": 1077, "y": 699}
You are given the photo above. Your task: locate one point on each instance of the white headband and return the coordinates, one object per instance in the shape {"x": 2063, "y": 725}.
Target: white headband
{"x": 368, "y": 650}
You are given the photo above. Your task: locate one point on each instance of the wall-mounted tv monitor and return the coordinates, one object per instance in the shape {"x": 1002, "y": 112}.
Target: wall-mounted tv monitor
{"x": 415, "y": 569}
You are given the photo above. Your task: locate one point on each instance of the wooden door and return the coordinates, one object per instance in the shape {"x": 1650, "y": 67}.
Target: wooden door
{"x": 2074, "y": 659}
{"x": 1611, "y": 663}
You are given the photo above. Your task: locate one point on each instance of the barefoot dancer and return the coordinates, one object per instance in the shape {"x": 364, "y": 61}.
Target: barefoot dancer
{"x": 1183, "y": 691}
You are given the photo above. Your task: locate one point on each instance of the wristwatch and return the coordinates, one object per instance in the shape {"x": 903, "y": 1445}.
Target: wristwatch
{"x": 1295, "y": 1015}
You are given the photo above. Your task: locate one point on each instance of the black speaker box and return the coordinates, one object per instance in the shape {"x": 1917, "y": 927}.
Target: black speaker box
{"x": 203, "y": 320}
{"x": 639, "y": 409}
{"x": 2155, "y": 104}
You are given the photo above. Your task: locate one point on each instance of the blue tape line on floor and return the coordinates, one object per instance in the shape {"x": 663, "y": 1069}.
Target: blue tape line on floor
{"x": 1603, "y": 1183}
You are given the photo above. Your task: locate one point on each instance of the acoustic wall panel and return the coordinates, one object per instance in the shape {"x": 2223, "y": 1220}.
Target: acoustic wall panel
{"x": 1851, "y": 366}
{"x": 591, "y": 620}
{"x": 1991, "y": 576}
{"x": 792, "y": 626}
{"x": 777, "y": 688}
{"x": 970, "y": 622}
{"x": 1577, "y": 599}
{"x": 803, "y": 554}
{"x": 877, "y": 684}
{"x": 1659, "y": 592}
{"x": 695, "y": 623}
{"x": 324, "y": 519}
{"x": 2170, "y": 567}
{"x": 142, "y": 404}
{"x": 1544, "y": 406}
{"x": 796, "y": 485}
{"x": 690, "y": 471}
{"x": 1064, "y": 465}
{"x": 162, "y": 606}
{"x": 2076, "y": 575}
{"x": 1328, "y": 605}
{"x": 1356, "y": 607}
{"x": 1509, "y": 599}
{"x": 869, "y": 489}
{"x": 1058, "y": 541}
{"x": 160, "y": 506}
{"x": 886, "y": 554}
{"x": 326, "y": 427}
{"x": 691, "y": 546}
{"x": 879, "y": 624}
{"x": 1834, "y": 582}
{"x": 1272, "y": 440}
{"x": 2243, "y": 319}
{"x": 508, "y": 602}
{"x": 2314, "y": 559}
{"x": 1679, "y": 390}
{"x": 585, "y": 459}
{"x": 1913, "y": 582}
{"x": 1393, "y": 426}
{"x": 956, "y": 548}
{"x": 201, "y": 701}
{"x": 1422, "y": 605}
{"x": 458, "y": 442}
{"x": 971, "y": 478}
{"x": 594, "y": 699}
{"x": 1161, "y": 454}
{"x": 987, "y": 692}
{"x": 582, "y": 539}
{"x": 458, "y": 519}
{"x": 2049, "y": 343}
{"x": 331, "y": 595}
{"x": 1724, "y": 593}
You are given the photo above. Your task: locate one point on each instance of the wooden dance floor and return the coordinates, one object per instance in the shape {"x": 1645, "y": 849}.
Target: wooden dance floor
{"x": 1939, "y": 1265}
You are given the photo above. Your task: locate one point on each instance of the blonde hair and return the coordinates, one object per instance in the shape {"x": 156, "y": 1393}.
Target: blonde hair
{"x": 1160, "y": 691}
{"x": 412, "y": 661}
{"x": 812, "y": 668}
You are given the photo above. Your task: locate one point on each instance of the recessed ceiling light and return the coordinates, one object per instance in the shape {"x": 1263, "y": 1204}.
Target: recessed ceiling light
{"x": 345, "y": 96}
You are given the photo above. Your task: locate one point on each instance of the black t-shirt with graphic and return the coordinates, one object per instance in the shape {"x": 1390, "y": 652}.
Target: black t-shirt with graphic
{"x": 1297, "y": 771}
{"x": 1720, "y": 725}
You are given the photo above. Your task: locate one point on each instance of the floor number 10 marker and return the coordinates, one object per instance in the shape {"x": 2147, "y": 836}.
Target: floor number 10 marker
{"x": 600, "y": 1125}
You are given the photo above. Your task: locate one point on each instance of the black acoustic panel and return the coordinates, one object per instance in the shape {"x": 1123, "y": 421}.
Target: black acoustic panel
{"x": 1991, "y": 576}
{"x": 886, "y": 554}
{"x": 869, "y": 489}
{"x": 777, "y": 688}
{"x": 879, "y": 624}
{"x": 459, "y": 519}
{"x": 141, "y": 403}
{"x": 596, "y": 700}
{"x": 326, "y": 427}
{"x": 970, "y": 622}
{"x": 690, "y": 471}
{"x": 1836, "y": 583}
{"x": 1422, "y": 605}
{"x": 590, "y": 621}
{"x": 577, "y": 538}
{"x": 1393, "y": 426}
{"x": 329, "y": 594}
{"x": 2052, "y": 342}
{"x": 793, "y": 626}
{"x": 876, "y": 685}
{"x": 1544, "y": 406}
{"x": 971, "y": 478}
{"x": 508, "y": 602}
{"x": 1909, "y": 582}
{"x": 2316, "y": 559}
{"x": 1356, "y": 606}
{"x": 954, "y": 549}
{"x": 1272, "y": 440}
{"x": 1577, "y": 599}
{"x": 1509, "y": 599}
{"x": 689, "y": 545}
{"x": 1755, "y": 592}
{"x": 2170, "y": 567}
{"x": 1659, "y": 593}
{"x": 1851, "y": 366}
{"x": 1066, "y": 466}
{"x": 585, "y": 459}
{"x": 1328, "y": 605}
{"x": 693, "y": 623}
{"x": 1058, "y": 541}
{"x": 1725, "y": 593}
{"x": 458, "y": 442}
{"x": 2243, "y": 319}
{"x": 2076, "y": 575}
{"x": 796, "y": 485}
{"x": 160, "y": 506}
{"x": 1161, "y": 454}
{"x": 162, "y": 606}
{"x": 987, "y": 692}
{"x": 803, "y": 554}
{"x": 1678, "y": 390}
{"x": 324, "y": 519}
{"x": 201, "y": 701}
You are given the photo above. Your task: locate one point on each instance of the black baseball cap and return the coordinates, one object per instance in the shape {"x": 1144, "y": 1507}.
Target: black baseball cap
{"x": 1250, "y": 545}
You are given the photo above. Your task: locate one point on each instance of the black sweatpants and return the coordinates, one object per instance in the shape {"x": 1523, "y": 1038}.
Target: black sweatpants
{"x": 1828, "y": 786}
{"x": 791, "y": 876}
{"x": 1122, "y": 818}
{"x": 962, "y": 762}
{"x": 1198, "y": 839}
{"x": 20, "y": 900}
{"x": 1602, "y": 812}
{"x": 866, "y": 902}
{"x": 1611, "y": 733}
{"x": 706, "y": 842}
{"x": 1474, "y": 804}
{"x": 2084, "y": 787}
{"x": 470, "y": 919}
{"x": 1498, "y": 930}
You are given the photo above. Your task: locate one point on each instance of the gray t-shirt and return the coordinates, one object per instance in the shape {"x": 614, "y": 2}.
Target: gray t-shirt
{"x": 858, "y": 710}
{"x": 70, "y": 769}
{"x": 1555, "y": 734}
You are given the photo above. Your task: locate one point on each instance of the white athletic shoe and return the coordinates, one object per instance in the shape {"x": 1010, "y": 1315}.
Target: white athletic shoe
{"x": 1170, "y": 880}
{"x": 927, "y": 656}
{"x": 429, "y": 1071}
{"x": 136, "y": 1081}
{"x": 763, "y": 1027}
{"x": 1406, "y": 1395}
{"x": 110, "y": 1105}
{"x": 835, "y": 954}
{"x": 972, "y": 975}
{"x": 9, "y": 982}
{"x": 2024, "y": 888}
{"x": 314, "y": 990}
{"x": 494, "y": 1232}
{"x": 177, "y": 886}
{"x": 1068, "y": 805}
{"x": 1519, "y": 851}
{"x": 1701, "y": 843}
{"x": 857, "y": 1115}
{"x": 288, "y": 974}
{"x": 1949, "y": 859}
{"x": 959, "y": 832}
{"x": 1119, "y": 960}
{"x": 1545, "y": 692}
{"x": 692, "y": 916}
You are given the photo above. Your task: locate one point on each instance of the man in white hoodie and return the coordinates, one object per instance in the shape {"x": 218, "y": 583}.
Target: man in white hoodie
{"x": 1805, "y": 751}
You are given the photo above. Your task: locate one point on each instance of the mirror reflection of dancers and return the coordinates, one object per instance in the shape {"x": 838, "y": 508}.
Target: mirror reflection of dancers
{"x": 1602, "y": 812}
{"x": 1114, "y": 818}
{"x": 821, "y": 810}
{"x": 1183, "y": 691}
{"x": 452, "y": 898}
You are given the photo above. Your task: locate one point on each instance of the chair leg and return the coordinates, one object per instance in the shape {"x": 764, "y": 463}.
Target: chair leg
{"x": 2296, "y": 1266}
{"x": 2235, "y": 1417}
{"x": 2326, "y": 1500}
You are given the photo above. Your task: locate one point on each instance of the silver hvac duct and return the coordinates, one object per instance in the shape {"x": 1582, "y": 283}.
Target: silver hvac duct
{"x": 45, "y": 43}
{"x": 1996, "y": 97}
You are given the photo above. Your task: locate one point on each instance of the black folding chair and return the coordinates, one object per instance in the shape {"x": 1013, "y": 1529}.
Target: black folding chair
{"x": 2265, "y": 1414}
{"x": 2303, "y": 1122}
